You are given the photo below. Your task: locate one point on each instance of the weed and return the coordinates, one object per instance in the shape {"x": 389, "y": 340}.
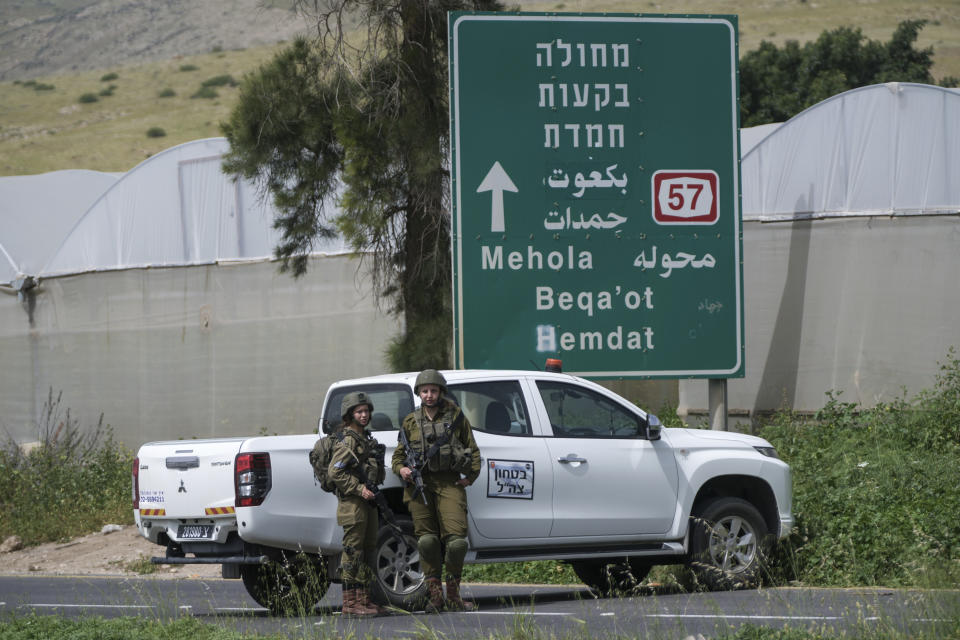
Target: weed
{"x": 188, "y": 67}
{"x": 869, "y": 496}
{"x": 40, "y": 86}
{"x": 88, "y": 98}
{"x": 73, "y": 482}
{"x": 167, "y": 93}
{"x": 108, "y": 91}
{"x": 156, "y": 132}
{"x": 107, "y": 77}
{"x": 141, "y": 565}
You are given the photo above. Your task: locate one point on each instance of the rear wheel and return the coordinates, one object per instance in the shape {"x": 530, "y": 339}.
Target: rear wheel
{"x": 611, "y": 576}
{"x": 398, "y": 578}
{"x": 292, "y": 584}
{"x": 729, "y": 544}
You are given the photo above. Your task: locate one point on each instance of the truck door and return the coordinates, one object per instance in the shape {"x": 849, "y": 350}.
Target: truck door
{"x": 608, "y": 479}
{"x": 512, "y": 498}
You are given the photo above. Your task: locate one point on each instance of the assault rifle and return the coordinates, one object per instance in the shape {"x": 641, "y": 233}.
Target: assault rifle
{"x": 378, "y": 498}
{"x": 416, "y": 463}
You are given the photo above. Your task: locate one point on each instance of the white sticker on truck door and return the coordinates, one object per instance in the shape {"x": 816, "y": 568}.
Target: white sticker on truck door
{"x": 510, "y": 479}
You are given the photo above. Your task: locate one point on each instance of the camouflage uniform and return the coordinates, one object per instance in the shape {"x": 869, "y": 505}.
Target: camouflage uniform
{"x": 442, "y": 522}
{"x": 357, "y": 516}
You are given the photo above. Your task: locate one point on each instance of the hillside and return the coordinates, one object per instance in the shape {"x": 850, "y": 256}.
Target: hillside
{"x": 104, "y": 84}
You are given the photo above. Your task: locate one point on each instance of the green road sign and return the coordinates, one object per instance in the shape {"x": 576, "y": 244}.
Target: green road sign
{"x": 596, "y": 193}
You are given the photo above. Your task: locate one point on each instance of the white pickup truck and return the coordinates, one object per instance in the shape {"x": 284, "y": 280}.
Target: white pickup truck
{"x": 572, "y": 472}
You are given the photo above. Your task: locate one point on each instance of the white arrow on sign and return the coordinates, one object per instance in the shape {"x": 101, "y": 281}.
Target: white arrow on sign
{"x": 497, "y": 181}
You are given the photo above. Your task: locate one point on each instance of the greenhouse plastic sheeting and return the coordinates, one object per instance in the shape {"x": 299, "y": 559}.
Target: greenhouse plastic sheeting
{"x": 176, "y": 208}
{"x": 37, "y": 212}
{"x": 206, "y": 350}
{"x": 889, "y": 149}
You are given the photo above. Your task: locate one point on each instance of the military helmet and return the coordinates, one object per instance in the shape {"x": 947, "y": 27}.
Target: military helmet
{"x": 351, "y": 401}
{"x": 430, "y": 376}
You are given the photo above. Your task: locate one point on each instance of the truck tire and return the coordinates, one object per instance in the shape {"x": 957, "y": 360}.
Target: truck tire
{"x": 398, "y": 580}
{"x": 611, "y": 576}
{"x": 729, "y": 544}
{"x": 292, "y": 584}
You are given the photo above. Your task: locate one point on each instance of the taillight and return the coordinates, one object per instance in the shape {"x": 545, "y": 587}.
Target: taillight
{"x": 251, "y": 478}
{"x": 136, "y": 483}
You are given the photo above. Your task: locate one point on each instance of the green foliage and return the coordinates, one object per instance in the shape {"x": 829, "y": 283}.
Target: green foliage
{"x": 188, "y": 67}
{"x": 869, "y": 490}
{"x": 167, "y": 93}
{"x": 73, "y": 482}
{"x": 205, "y": 92}
{"x": 40, "y": 86}
{"x": 107, "y": 77}
{"x": 322, "y": 114}
{"x": 41, "y": 627}
{"x": 949, "y": 82}
{"x": 108, "y": 91}
{"x": 88, "y": 98}
{"x": 536, "y": 572}
{"x": 220, "y": 81}
{"x": 156, "y": 132}
{"x": 776, "y": 84}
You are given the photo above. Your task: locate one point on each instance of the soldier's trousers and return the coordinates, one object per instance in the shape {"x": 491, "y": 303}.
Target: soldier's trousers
{"x": 444, "y": 515}
{"x": 360, "y": 523}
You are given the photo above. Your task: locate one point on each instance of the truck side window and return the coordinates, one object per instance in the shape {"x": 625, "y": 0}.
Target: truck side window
{"x": 576, "y": 412}
{"x": 494, "y": 407}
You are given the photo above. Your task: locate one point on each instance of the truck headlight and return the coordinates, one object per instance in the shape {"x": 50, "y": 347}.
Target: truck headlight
{"x": 770, "y": 452}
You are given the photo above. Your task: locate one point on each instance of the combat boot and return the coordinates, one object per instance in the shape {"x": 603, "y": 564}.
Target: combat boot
{"x": 454, "y": 601}
{"x": 363, "y": 600}
{"x": 352, "y": 606}
{"x": 435, "y": 595}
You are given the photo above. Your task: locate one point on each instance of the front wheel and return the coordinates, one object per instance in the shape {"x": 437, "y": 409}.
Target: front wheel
{"x": 291, "y": 584}
{"x": 729, "y": 544}
{"x": 611, "y": 576}
{"x": 398, "y": 578}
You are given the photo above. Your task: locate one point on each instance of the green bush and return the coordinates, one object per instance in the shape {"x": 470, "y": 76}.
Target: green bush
{"x": 108, "y": 91}
{"x": 875, "y": 490}
{"x": 88, "y": 97}
{"x": 73, "y": 482}
{"x": 107, "y": 77}
{"x": 188, "y": 67}
{"x": 219, "y": 81}
{"x": 40, "y": 86}
{"x": 205, "y": 92}
{"x": 156, "y": 132}
{"x": 167, "y": 93}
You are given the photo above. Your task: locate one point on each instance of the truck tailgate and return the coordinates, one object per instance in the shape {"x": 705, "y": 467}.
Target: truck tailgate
{"x": 187, "y": 478}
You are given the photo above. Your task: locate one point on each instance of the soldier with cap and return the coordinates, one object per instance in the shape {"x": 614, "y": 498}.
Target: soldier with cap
{"x": 357, "y": 455}
{"x": 443, "y": 440}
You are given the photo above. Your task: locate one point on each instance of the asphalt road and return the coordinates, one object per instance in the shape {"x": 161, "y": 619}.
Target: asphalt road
{"x": 503, "y": 609}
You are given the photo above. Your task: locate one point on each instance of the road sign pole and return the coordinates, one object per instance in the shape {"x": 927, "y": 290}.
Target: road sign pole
{"x": 717, "y": 395}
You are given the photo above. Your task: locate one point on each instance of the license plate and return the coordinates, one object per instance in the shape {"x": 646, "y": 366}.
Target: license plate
{"x": 195, "y": 531}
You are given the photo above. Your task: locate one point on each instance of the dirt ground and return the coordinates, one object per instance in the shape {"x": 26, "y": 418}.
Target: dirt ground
{"x": 117, "y": 553}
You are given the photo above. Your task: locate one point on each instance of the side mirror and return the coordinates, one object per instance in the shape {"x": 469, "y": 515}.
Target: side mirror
{"x": 653, "y": 427}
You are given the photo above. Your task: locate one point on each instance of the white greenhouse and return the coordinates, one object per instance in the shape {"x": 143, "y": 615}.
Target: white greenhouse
{"x": 151, "y": 296}
{"x": 851, "y": 245}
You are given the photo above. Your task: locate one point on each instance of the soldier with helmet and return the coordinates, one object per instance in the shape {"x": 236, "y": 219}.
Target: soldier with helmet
{"x": 443, "y": 439}
{"x": 357, "y": 455}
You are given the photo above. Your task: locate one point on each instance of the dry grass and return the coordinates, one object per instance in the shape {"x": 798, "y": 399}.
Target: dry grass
{"x": 50, "y": 130}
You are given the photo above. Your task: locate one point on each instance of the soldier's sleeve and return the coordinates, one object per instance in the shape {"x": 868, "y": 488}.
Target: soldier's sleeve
{"x": 468, "y": 441}
{"x": 399, "y": 459}
{"x": 339, "y": 470}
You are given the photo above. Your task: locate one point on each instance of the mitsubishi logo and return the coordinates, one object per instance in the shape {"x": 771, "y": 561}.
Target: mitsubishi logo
{"x": 182, "y": 488}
